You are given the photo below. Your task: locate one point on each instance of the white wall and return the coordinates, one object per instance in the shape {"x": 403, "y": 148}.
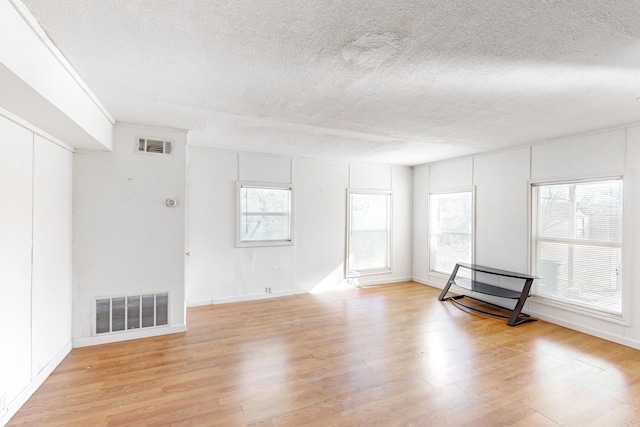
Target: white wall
{"x": 502, "y": 212}
{"x": 127, "y": 242}
{"x": 402, "y": 256}
{"x": 52, "y": 251}
{"x": 218, "y": 271}
{"x": 501, "y": 205}
{"x": 320, "y": 223}
{"x": 420, "y": 253}
{"x": 35, "y": 261}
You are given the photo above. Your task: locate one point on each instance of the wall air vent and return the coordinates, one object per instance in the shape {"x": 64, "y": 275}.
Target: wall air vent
{"x": 127, "y": 313}
{"x": 146, "y": 145}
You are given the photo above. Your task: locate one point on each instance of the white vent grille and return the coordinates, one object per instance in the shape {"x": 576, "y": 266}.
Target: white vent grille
{"x": 146, "y": 145}
{"x": 118, "y": 314}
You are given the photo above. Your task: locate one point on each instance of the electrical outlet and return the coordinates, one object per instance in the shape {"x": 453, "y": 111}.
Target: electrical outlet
{"x": 267, "y": 290}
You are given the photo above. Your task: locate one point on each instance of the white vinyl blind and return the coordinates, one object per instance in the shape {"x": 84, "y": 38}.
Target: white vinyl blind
{"x": 578, "y": 243}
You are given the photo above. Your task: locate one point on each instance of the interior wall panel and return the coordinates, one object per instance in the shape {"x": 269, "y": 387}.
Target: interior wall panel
{"x": 264, "y": 168}
{"x": 420, "y": 223}
{"x": 16, "y": 169}
{"x": 451, "y": 175}
{"x": 579, "y": 156}
{"x": 501, "y": 209}
{"x": 320, "y": 200}
{"x": 52, "y": 251}
{"x": 370, "y": 176}
{"x": 211, "y": 178}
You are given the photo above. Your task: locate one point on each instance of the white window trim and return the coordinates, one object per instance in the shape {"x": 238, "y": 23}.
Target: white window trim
{"x": 264, "y": 243}
{"x": 349, "y": 273}
{"x": 472, "y": 190}
{"x": 620, "y": 319}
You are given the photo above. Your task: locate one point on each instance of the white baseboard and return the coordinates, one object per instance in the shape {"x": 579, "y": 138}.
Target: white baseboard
{"x": 253, "y": 297}
{"x": 36, "y": 382}
{"x": 129, "y": 335}
{"x": 422, "y": 281}
{"x": 629, "y": 342}
{"x": 247, "y": 297}
{"x": 199, "y": 302}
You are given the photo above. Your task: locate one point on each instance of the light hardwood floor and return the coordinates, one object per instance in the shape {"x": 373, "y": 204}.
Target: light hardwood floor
{"x": 389, "y": 355}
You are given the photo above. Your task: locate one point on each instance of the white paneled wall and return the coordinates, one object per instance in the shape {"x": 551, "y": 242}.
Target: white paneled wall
{"x": 211, "y": 226}
{"x": 367, "y": 176}
{"x": 16, "y": 180}
{"x": 218, "y": 271}
{"x": 35, "y": 261}
{"x": 261, "y": 168}
{"x": 321, "y": 222}
{"x": 451, "y": 175}
{"x": 420, "y": 222}
{"x": 581, "y": 156}
{"x": 501, "y": 181}
{"x": 402, "y": 254}
{"x": 127, "y": 241}
{"x": 52, "y": 250}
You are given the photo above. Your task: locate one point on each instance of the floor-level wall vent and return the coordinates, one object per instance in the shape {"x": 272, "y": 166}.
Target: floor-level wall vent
{"x": 126, "y": 313}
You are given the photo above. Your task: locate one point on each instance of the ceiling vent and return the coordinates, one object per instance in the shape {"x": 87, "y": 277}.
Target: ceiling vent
{"x": 127, "y": 313}
{"x": 146, "y": 145}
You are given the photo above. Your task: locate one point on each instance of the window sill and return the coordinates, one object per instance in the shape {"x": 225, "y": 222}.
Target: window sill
{"x": 361, "y": 273}
{"x": 263, "y": 244}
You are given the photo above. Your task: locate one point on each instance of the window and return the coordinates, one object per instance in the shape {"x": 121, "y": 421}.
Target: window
{"x": 450, "y": 230}
{"x": 369, "y": 234}
{"x": 265, "y": 215}
{"x": 577, "y": 243}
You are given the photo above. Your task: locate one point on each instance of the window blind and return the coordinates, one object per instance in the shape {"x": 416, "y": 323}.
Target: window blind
{"x": 578, "y": 243}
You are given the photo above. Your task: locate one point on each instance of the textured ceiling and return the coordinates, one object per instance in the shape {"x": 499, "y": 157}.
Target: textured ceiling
{"x": 403, "y": 82}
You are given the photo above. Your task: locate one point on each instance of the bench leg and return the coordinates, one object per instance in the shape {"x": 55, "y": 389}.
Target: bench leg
{"x": 515, "y": 319}
{"x": 449, "y": 283}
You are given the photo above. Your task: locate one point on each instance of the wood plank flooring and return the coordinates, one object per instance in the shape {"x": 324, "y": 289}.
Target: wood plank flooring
{"x": 385, "y": 356}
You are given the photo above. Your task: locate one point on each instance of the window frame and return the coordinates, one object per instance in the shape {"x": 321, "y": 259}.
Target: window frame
{"x": 472, "y": 191}
{"x": 353, "y": 273}
{"x": 267, "y": 186}
{"x": 621, "y": 318}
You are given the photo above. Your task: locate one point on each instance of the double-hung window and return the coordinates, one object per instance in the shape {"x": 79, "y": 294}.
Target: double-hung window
{"x": 265, "y": 214}
{"x": 450, "y": 230}
{"x": 577, "y": 244}
{"x": 369, "y": 232}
